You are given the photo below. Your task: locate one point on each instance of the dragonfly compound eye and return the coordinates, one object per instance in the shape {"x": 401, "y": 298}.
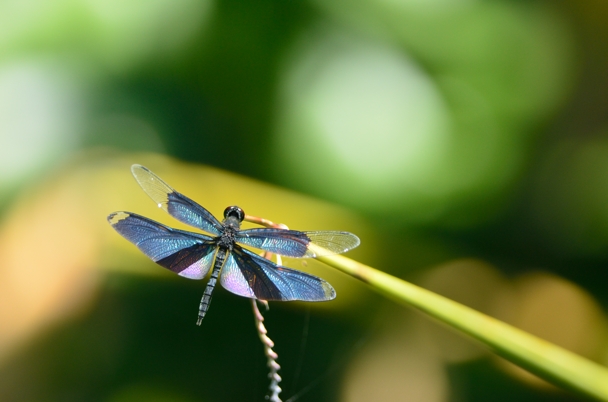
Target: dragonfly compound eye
{"x": 234, "y": 211}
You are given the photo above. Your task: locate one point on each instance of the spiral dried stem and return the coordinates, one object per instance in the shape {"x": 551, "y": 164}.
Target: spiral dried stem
{"x": 271, "y": 355}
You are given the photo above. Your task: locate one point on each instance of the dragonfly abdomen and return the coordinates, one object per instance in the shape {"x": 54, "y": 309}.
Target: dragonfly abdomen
{"x": 220, "y": 260}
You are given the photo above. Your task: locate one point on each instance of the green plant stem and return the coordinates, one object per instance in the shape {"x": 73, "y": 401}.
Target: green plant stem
{"x": 548, "y": 361}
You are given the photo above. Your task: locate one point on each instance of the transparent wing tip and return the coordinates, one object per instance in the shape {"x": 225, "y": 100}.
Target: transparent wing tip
{"x": 334, "y": 243}
{"x": 356, "y": 242}
{"x": 116, "y": 217}
{"x": 330, "y": 292}
{"x": 136, "y": 166}
{"x": 138, "y": 170}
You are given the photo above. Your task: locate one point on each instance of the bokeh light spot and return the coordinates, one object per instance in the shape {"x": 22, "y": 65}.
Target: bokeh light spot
{"x": 378, "y": 113}
{"x": 473, "y": 283}
{"x": 393, "y": 368}
{"x": 360, "y": 114}
{"x": 39, "y": 116}
{"x": 556, "y": 310}
{"x": 48, "y": 251}
{"x": 132, "y": 31}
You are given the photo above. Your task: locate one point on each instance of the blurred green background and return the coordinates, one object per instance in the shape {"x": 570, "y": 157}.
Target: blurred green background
{"x": 465, "y": 142}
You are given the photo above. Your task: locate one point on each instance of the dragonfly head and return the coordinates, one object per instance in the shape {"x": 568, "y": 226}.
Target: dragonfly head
{"x": 233, "y": 213}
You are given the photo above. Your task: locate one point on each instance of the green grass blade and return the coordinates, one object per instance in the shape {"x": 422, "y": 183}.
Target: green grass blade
{"x": 548, "y": 361}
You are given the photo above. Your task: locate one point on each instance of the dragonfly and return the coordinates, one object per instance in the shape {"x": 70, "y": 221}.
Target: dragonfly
{"x": 192, "y": 255}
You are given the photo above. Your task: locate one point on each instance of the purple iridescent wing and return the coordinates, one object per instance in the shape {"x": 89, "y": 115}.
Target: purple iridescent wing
{"x": 187, "y": 254}
{"x": 177, "y": 205}
{"x": 293, "y": 243}
{"x": 249, "y": 275}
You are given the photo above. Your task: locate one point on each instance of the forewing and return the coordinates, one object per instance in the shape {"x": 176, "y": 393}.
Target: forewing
{"x": 187, "y": 254}
{"x": 177, "y": 205}
{"x": 293, "y": 243}
{"x": 249, "y": 275}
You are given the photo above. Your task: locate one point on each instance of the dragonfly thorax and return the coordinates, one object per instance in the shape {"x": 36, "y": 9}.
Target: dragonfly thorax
{"x": 233, "y": 216}
{"x": 228, "y": 236}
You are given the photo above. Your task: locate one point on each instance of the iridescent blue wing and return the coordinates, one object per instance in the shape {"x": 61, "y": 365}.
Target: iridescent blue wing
{"x": 292, "y": 243}
{"x": 177, "y": 205}
{"x": 187, "y": 254}
{"x": 249, "y": 275}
